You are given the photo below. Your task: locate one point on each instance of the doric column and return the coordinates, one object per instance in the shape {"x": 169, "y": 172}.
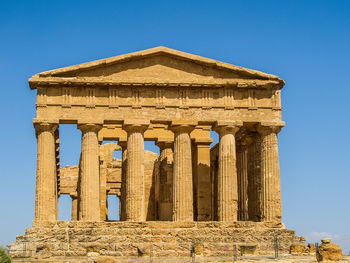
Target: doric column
{"x": 202, "y": 178}
{"x": 89, "y": 187}
{"x": 182, "y": 171}
{"x": 57, "y": 153}
{"x": 270, "y": 197}
{"x": 165, "y": 184}
{"x": 214, "y": 168}
{"x": 74, "y": 197}
{"x": 227, "y": 174}
{"x": 254, "y": 178}
{"x": 135, "y": 181}
{"x": 120, "y": 206}
{"x": 123, "y": 143}
{"x": 242, "y": 171}
{"x": 103, "y": 189}
{"x": 46, "y": 175}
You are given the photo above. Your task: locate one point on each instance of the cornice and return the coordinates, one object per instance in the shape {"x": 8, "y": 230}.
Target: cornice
{"x": 61, "y": 82}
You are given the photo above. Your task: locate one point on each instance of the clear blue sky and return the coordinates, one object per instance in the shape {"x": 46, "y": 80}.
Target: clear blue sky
{"x": 307, "y": 43}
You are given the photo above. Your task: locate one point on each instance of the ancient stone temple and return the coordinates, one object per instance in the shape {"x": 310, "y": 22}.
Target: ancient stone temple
{"x": 192, "y": 198}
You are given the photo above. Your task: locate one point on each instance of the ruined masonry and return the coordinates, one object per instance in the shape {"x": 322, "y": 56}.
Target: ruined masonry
{"x": 192, "y": 197}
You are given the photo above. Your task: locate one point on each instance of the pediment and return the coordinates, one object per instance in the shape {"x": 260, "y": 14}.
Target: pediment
{"x": 156, "y": 65}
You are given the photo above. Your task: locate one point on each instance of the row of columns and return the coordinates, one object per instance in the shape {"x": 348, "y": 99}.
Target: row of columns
{"x": 258, "y": 176}
{"x": 228, "y": 181}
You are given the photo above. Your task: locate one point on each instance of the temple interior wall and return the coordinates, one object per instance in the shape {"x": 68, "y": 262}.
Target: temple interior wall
{"x": 111, "y": 183}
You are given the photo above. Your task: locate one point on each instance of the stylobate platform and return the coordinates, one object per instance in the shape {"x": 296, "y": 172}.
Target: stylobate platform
{"x": 133, "y": 240}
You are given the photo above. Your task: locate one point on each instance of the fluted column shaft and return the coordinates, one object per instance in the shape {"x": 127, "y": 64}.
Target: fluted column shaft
{"x": 165, "y": 184}
{"x": 242, "y": 162}
{"x": 202, "y": 178}
{"x": 254, "y": 190}
{"x": 89, "y": 187}
{"x": 270, "y": 197}
{"x": 74, "y": 206}
{"x": 46, "y": 175}
{"x": 182, "y": 173}
{"x": 103, "y": 191}
{"x": 122, "y": 198}
{"x": 135, "y": 181}
{"x": 227, "y": 174}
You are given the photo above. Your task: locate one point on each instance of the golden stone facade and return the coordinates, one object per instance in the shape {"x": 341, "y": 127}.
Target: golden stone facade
{"x": 174, "y": 99}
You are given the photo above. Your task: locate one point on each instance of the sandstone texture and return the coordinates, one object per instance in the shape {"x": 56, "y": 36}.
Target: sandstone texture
{"x": 328, "y": 251}
{"x": 312, "y": 249}
{"x": 299, "y": 249}
{"x": 106, "y": 260}
{"x": 190, "y": 197}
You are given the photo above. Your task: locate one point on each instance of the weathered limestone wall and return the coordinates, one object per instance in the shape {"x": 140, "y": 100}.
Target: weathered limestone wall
{"x": 114, "y": 177}
{"x": 68, "y": 177}
{"x": 111, "y": 183}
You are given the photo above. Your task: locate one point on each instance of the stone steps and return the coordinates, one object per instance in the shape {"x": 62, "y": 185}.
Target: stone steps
{"x": 128, "y": 239}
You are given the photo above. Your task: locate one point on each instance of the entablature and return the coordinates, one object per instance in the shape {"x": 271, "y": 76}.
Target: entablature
{"x": 160, "y": 97}
{"x": 158, "y": 84}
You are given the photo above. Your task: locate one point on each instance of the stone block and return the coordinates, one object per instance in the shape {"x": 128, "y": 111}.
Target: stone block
{"x": 106, "y": 260}
{"x": 328, "y": 251}
{"x": 312, "y": 248}
{"x": 299, "y": 249}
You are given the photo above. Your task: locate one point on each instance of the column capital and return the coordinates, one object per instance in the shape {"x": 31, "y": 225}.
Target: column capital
{"x": 245, "y": 141}
{"x": 164, "y": 143}
{"x": 265, "y": 128}
{"x": 136, "y": 125}
{"x": 185, "y": 126}
{"x": 74, "y": 195}
{"x": 86, "y": 127}
{"x": 123, "y": 142}
{"x": 223, "y": 127}
{"x": 203, "y": 141}
{"x": 45, "y": 126}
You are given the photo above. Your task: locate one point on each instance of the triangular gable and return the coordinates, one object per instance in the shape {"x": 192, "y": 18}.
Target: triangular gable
{"x": 155, "y": 65}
